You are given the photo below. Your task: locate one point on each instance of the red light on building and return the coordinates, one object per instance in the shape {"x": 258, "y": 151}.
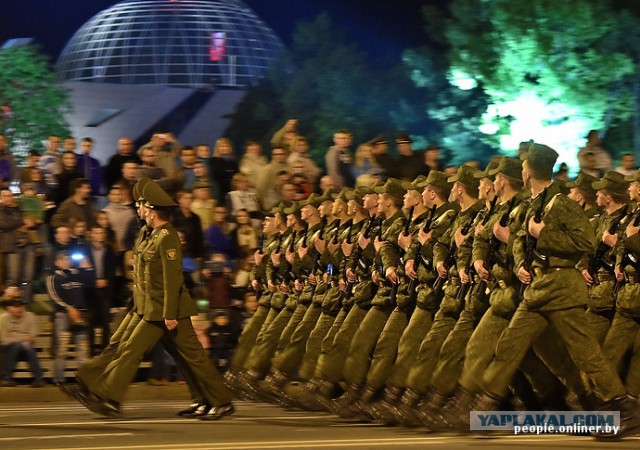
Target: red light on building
{"x": 218, "y": 46}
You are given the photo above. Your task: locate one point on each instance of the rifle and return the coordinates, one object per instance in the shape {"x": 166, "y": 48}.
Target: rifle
{"x": 261, "y": 244}
{"x": 532, "y": 242}
{"x": 316, "y": 257}
{"x": 419, "y": 259}
{"x": 450, "y": 261}
{"x": 358, "y": 252}
{"x": 494, "y": 243}
{"x": 408, "y": 222}
{"x": 464, "y": 288}
{"x": 597, "y": 262}
{"x": 290, "y": 248}
{"x": 628, "y": 258}
{"x": 335, "y": 231}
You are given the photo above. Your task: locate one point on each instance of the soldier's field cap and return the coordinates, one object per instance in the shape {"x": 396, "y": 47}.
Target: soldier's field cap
{"x": 329, "y": 195}
{"x": 155, "y": 196}
{"x": 314, "y": 200}
{"x": 295, "y": 209}
{"x": 403, "y": 138}
{"x": 613, "y": 182}
{"x": 634, "y": 177}
{"x": 436, "y": 179}
{"x": 540, "y": 157}
{"x": 344, "y": 195}
{"x": 138, "y": 187}
{"x": 486, "y": 173}
{"x": 393, "y": 188}
{"x": 466, "y": 176}
{"x": 417, "y": 184}
{"x": 510, "y": 167}
{"x": 584, "y": 181}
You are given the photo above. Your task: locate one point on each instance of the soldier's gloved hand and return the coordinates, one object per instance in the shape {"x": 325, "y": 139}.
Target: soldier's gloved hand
{"x": 464, "y": 276}
{"x": 535, "y": 228}
{"x": 346, "y": 248}
{"x": 391, "y": 275}
{"x": 375, "y": 277}
{"x": 312, "y": 279}
{"x": 302, "y": 252}
{"x": 298, "y": 285}
{"x": 610, "y": 239}
{"x": 291, "y": 256}
{"x": 351, "y": 277}
{"x": 284, "y": 288}
{"x": 325, "y": 278}
{"x": 618, "y": 273}
{"x": 342, "y": 285}
{"x": 408, "y": 269}
{"x": 442, "y": 270}
{"x": 255, "y": 285}
{"x": 501, "y": 233}
{"x": 523, "y": 276}
{"x": 333, "y": 247}
{"x": 587, "y": 276}
{"x": 272, "y": 287}
{"x": 404, "y": 241}
{"x": 480, "y": 270}
{"x": 171, "y": 324}
{"x": 424, "y": 237}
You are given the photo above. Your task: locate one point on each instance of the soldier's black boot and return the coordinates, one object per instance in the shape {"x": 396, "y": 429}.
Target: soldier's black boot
{"x": 629, "y": 418}
{"x": 362, "y": 407}
{"x": 406, "y": 411}
{"x": 325, "y": 394}
{"x": 248, "y": 384}
{"x": 483, "y": 402}
{"x": 383, "y": 409}
{"x": 272, "y": 385}
{"x": 428, "y": 409}
{"x": 307, "y": 395}
{"x": 459, "y": 404}
{"x": 341, "y": 406}
{"x": 231, "y": 381}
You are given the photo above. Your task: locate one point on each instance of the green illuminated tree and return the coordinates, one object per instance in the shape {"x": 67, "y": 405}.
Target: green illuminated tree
{"x": 33, "y": 100}
{"x": 560, "y": 58}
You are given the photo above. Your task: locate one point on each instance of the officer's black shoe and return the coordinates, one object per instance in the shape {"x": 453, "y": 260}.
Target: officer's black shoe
{"x": 218, "y": 412}
{"x": 629, "y": 418}
{"x": 427, "y": 410}
{"x": 405, "y": 413}
{"x": 194, "y": 410}
{"x": 97, "y": 405}
{"x": 341, "y": 406}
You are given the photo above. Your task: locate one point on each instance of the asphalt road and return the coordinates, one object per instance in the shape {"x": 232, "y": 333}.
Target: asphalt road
{"x": 148, "y": 424}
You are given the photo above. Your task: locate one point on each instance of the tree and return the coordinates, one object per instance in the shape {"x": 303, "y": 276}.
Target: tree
{"x": 33, "y": 100}
{"x": 329, "y": 85}
{"x": 548, "y": 68}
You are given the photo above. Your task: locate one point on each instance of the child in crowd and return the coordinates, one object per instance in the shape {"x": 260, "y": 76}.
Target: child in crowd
{"x": 222, "y": 340}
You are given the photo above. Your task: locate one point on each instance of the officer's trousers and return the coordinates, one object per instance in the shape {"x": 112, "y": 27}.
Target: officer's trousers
{"x": 524, "y": 329}
{"x": 114, "y": 381}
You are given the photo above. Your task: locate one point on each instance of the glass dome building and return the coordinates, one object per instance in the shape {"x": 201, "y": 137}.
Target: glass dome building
{"x": 180, "y": 43}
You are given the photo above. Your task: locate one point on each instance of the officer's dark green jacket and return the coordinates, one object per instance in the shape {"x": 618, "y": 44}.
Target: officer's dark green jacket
{"x": 166, "y": 296}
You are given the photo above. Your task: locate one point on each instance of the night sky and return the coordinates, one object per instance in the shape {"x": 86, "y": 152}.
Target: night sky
{"x": 380, "y": 27}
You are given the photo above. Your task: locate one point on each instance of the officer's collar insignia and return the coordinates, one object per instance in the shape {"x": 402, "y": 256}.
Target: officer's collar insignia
{"x": 171, "y": 254}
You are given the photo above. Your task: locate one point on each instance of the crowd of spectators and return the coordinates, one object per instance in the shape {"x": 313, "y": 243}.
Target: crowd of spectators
{"x": 64, "y": 215}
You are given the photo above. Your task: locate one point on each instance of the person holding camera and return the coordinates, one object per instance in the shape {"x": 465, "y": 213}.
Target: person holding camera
{"x": 67, "y": 287}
